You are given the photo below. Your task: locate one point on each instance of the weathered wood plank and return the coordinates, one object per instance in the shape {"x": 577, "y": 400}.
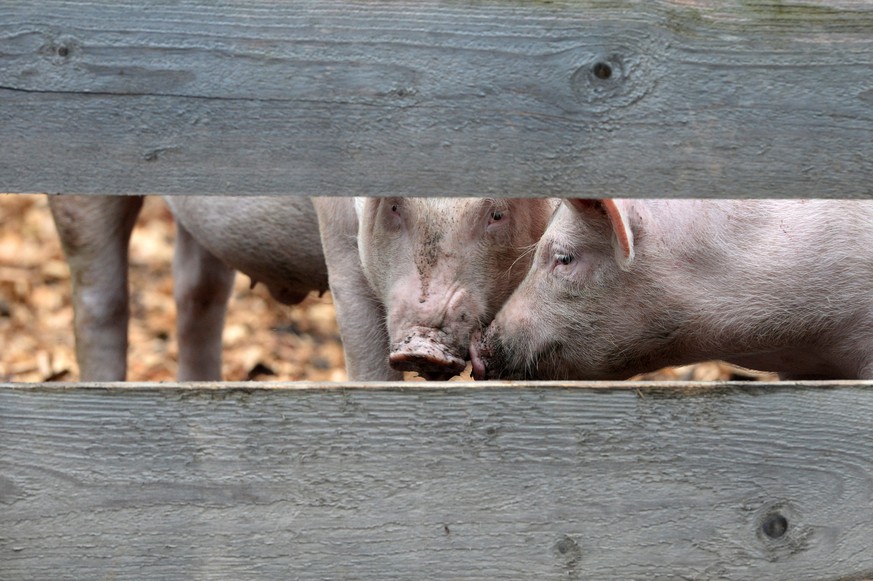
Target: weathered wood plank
{"x": 348, "y": 97}
{"x": 436, "y": 482}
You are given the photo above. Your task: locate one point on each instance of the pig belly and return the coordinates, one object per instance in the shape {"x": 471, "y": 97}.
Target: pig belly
{"x": 273, "y": 240}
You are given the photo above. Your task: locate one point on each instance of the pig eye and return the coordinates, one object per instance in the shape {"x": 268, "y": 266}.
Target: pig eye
{"x": 394, "y": 208}
{"x": 563, "y": 259}
{"x": 496, "y": 218}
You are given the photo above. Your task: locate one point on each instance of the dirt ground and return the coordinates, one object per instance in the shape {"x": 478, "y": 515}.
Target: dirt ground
{"x": 263, "y": 339}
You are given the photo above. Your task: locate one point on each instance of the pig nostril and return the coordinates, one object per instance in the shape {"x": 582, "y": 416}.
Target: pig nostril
{"x": 602, "y": 71}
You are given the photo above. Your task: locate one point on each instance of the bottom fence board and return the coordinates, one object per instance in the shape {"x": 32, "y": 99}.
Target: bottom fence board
{"x": 452, "y": 482}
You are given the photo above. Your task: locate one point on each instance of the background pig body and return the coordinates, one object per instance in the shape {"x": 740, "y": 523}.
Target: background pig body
{"x": 414, "y": 277}
{"x": 273, "y": 240}
{"x": 778, "y": 285}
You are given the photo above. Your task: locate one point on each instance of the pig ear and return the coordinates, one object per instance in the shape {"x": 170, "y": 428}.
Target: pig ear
{"x": 616, "y": 212}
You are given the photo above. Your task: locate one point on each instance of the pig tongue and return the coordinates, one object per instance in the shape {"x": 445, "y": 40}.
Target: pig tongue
{"x": 479, "y": 370}
{"x": 430, "y": 358}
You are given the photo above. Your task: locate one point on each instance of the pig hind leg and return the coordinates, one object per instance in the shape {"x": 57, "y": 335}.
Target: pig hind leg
{"x": 202, "y": 285}
{"x": 95, "y": 233}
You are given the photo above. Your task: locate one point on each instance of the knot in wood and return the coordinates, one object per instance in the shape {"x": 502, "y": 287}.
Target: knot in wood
{"x": 568, "y": 550}
{"x": 58, "y": 49}
{"x": 620, "y": 75}
{"x": 774, "y": 526}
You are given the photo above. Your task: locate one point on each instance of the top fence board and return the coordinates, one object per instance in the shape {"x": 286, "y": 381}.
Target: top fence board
{"x": 438, "y": 97}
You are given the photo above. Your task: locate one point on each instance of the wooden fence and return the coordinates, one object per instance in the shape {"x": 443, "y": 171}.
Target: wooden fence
{"x": 437, "y": 97}
{"x": 252, "y": 481}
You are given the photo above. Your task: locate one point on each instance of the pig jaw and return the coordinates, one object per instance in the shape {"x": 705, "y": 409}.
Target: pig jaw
{"x": 492, "y": 358}
{"x": 496, "y": 354}
{"x": 517, "y": 355}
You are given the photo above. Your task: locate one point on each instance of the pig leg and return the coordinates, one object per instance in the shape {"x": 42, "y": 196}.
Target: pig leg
{"x": 360, "y": 316}
{"x": 202, "y": 285}
{"x": 362, "y": 324}
{"x": 95, "y": 233}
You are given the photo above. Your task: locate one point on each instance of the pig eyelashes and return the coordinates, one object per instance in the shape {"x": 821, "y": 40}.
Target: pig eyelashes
{"x": 563, "y": 259}
{"x": 566, "y": 265}
{"x": 558, "y": 259}
{"x": 496, "y": 218}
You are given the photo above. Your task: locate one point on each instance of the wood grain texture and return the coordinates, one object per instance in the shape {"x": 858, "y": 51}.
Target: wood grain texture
{"x": 440, "y": 482}
{"x": 354, "y": 97}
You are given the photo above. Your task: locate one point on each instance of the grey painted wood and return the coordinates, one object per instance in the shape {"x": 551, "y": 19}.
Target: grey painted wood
{"x": 442, "y": 481}
{"x": 705, "y": 98}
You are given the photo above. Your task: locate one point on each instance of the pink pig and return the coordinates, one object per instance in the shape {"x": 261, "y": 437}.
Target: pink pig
{"x": 620, "y": 287}
{"x": 413, "y": 278}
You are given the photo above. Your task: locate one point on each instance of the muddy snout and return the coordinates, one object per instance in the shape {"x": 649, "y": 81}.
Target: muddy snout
{"x": 429, "y": 352}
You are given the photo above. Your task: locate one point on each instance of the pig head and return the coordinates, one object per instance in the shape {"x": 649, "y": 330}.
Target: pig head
{"x": 442, "y": 268}
{"x": 620, "y": 287}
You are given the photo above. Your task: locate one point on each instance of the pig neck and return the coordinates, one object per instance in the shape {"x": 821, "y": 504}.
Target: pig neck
{"x": 751, "y": 290}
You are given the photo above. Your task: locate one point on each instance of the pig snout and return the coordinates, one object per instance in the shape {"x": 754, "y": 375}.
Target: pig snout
{"x": 428, "y": 352}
